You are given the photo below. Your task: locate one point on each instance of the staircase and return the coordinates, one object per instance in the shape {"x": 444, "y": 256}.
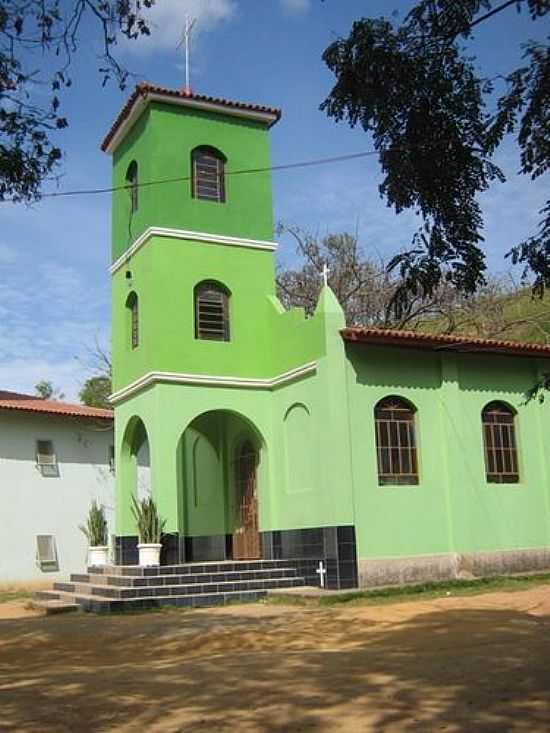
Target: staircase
{"x": 131, "y": 588}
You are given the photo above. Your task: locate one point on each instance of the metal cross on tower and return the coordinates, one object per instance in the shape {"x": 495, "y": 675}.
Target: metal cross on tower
{"x": 325, "y": 274}
{"x": 186, "y": 40}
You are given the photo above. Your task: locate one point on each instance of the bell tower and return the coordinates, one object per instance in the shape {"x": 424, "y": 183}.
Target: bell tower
{"x": 192, "y": 230}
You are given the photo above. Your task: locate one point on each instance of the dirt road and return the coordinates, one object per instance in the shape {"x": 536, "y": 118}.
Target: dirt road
{"x": 477, "y": 663}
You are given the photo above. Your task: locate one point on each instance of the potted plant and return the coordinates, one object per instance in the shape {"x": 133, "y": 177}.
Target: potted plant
{"x": 95, "y": 530}
{"x": 150, "y": 527}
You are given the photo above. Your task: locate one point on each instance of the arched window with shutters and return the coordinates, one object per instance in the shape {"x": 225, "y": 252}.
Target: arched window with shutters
{"x": 499, "y": 443}
{"x": 396, "y": 442}
{"x": 208, "y": 174}
{"x": 132, "y": 306}
{"x": 211, "y": 312}
{"x": 132, "y": 182}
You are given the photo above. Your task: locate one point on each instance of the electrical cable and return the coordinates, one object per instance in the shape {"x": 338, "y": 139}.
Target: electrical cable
{"x": 179, "y": 179}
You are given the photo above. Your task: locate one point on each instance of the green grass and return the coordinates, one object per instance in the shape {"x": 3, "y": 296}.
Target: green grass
{"x": 15, "y": 595}
{"x": 424, "y": 591}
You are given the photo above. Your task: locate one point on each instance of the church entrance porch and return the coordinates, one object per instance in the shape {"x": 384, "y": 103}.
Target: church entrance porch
{"x": 220, "y": 462}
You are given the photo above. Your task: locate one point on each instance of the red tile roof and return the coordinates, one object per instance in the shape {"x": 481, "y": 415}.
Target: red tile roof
{"x": 439, "y": 342}
{"x": 170, "y": 95}
{"x": 31, "y": 403}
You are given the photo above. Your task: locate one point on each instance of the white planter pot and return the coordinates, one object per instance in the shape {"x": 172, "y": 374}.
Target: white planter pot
{"x": 98, "y": 555}
{"x": 149, "y": 554}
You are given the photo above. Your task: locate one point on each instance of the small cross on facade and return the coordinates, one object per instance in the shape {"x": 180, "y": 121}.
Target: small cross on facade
{"x": 325, "y": 274}
{"x": 321, "y": 572}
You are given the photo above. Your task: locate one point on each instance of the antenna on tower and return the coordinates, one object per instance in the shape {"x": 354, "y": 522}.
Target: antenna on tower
{"x": 186, "y": 40}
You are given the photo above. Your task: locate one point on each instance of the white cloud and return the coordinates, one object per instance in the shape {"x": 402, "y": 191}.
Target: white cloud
{"x": 20, "y": 375}
{"x": 296, "y": 6}
{"x": 167, "y": 19}
{"x": 8, "y": 255}
{"x": 50, "y": 317}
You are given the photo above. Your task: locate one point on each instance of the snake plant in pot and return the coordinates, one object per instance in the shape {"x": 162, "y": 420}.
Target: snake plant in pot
{"x": 150, "y": 527}
{"x": 96, "y": 532}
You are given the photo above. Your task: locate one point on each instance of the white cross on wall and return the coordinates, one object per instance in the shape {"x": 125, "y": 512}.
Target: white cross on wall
{"x": 321, "y": 572}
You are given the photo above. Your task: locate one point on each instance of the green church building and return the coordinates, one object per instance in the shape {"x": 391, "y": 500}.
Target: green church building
{"x": 388, "y": 456}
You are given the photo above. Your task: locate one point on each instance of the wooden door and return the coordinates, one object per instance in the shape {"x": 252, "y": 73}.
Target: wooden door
{"x": 246, "y": 538}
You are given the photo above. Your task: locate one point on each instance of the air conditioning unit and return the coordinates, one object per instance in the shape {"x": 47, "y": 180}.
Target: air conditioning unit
{"x": 46, "y": 460}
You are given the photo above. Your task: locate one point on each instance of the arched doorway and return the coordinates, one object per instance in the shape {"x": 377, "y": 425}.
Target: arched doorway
{"x": 133, "y": 479}
{"x": 222, "y": 470}
{"x": 246, "y": 536}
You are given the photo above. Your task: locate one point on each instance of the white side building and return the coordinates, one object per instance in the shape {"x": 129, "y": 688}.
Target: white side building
{"x": 55, "y": 458}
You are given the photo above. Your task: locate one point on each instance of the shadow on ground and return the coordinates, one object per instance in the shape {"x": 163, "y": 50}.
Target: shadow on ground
{"x": 277, "y": 670}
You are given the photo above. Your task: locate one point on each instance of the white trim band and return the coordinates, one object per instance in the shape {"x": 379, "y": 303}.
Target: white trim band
{"x": 189, "y": 235}
{"x": 210, "y": 381}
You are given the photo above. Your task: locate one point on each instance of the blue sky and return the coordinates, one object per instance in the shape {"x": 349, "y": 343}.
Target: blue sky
{"x": 54, "y": 284}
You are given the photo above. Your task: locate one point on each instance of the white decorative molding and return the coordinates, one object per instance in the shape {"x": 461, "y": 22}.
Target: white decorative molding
{"x": 142, "y": 101}
{"x": 189, "y": 235}
{"x": 211, "y": 381}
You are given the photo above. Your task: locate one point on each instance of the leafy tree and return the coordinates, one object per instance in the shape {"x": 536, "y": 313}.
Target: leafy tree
{"x": 437, "y": 123}
{"x": 47, "y": 391}
{"x": 95, "y": 392}
{"x": 96, "y": 389}
{"x": 34, "y": 34}
{"x": 366, "y": 289}
{"x": 363, "y": 286}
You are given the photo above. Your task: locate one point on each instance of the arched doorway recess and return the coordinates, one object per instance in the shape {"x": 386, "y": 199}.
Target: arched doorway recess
{"x": 222, "y": 469}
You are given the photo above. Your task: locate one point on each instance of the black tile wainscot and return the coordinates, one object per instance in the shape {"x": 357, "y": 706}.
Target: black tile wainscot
{"x": 334, "y": 546}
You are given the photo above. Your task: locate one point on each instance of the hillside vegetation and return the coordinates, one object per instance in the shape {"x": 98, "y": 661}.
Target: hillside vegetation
{"x": 513, "y": 316}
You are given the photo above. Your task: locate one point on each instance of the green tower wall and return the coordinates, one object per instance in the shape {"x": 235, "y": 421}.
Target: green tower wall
{"x": 161, "y": 143}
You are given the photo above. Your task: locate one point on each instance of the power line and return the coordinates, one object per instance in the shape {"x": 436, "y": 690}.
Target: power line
{"x": 244, "y": 171}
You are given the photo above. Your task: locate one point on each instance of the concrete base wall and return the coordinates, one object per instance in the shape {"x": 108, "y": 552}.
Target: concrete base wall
{"x": 452, "y": 566}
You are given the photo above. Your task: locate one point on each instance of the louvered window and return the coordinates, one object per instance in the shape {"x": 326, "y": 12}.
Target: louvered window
{"x": 46, "y": 552}
{"x": 395, "y": 442}
{"x": 499, "y": 442}
{"x": 133, "y": 185}
{"x": 208, "y": 179}
{"x": 211, "y": 312}
{"x": 132, "y": 304}
{"x": 46, "y": 460}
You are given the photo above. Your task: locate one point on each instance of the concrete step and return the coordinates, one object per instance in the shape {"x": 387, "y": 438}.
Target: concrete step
{"x": 221, "y": 566}
{"x": 56, "y": 605}
{"x": 112, "y": 592}
{"x": 46, "y": 595}
{"x": 187, "y": 579}
{"x": 97, "y": 604}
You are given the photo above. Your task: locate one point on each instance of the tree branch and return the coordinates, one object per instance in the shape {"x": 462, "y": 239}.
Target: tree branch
{"x": 494, "y": 11}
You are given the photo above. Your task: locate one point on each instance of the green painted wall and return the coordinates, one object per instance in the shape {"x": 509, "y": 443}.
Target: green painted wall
{"x": 265, "y": 341}
{"x": 161, "y": 142}
{"x": 172, "y": 417}
{"x": 453, "y": 509}
{"x": 316, "y": 434}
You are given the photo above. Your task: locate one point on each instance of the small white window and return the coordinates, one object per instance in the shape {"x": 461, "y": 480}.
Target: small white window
{"x": 46, "y": 460}
{"x": 46, "y": 553}
{"x": 112, "y": 459}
